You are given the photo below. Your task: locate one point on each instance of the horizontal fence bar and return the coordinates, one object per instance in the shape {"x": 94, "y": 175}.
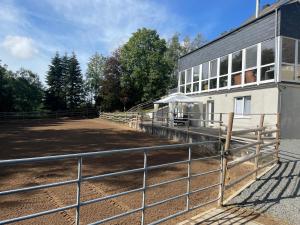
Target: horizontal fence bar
{"x": 239, "y": 132}
{"x": 38, "y": 187}
{"x": 269, "y": 144}
{"x": 269, "y": 131}
{"x": 100, "y": 153}
{"x": 248, "y": 174}
{"x": 167, "y": 182}
{"x": 31, "y": 216}
{"x": 116, "y": 216}
{"x": 245, "y": 146}
{"x": 205, "y": 158}
{"x": 205, "y": 173}
{"x": 204, "y": 204}
{"x": 166, "y": 200}
{"x": 205, "y": 188}
{"x": 111, "y": 196}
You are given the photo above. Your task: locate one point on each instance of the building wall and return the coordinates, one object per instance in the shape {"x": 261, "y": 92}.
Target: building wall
{"x": 262, "y": 101}
{"x": 290, "y": 20}
{"x": 290, "y": 110}
{"x": 259, "y": 31}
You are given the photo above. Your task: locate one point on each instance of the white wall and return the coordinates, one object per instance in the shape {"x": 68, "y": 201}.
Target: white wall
{"x": 262, "y": 101}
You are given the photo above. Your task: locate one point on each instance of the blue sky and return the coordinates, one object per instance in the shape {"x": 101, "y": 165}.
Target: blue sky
{"x": 31, "y": 31}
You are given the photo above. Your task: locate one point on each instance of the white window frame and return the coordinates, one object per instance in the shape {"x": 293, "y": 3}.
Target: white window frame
{"x": 196, "y": 82}
{"x": 213, "y": 78}
{"x": 241, "y": 71}
{"x": 190, "y": 83}
{"x": 251, "y": 68}
{"x": 266, "y": 65}
{"x": 207, "y": 79}
{"x": 223, "y": 75}
{"x": 243, "y": 115}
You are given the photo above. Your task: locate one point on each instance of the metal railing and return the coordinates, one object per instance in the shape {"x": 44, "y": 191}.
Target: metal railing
{"x": 80, "y": 179}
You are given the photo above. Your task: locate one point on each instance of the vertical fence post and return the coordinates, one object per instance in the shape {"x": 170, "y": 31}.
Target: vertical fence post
{"x": 277, "y": 136}
{"x": 224, "y": 158}
{"x": 167, "y": 119}
{"x": 189, "y": 180}
{"x": 220, "y": 129}
{"x": 258, "y": 146}
{"x": 79, "y": 175}
{"x": 144, "y": 188}
{"x": 152, "y": 122}
{"x": 188, "y": 128}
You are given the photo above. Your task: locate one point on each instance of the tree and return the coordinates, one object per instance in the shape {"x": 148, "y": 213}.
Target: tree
{"x": 111, "y": 86}
{"x": 186, "y": 47}
{"x": 55, "y": 94}
{"x": 197, "y": 42}
{"x": 94, "y": 77}
{"x": 145, "y": 67}
{"x": 75, "y": 92}
{"x": 28, "y": 91}
{"x": 174, "y": 50}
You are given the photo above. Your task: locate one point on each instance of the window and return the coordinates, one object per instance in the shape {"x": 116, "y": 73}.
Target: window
{"x": 213, "y": 74}
{"x": 288, "y": 59}
{"x": 267, "y": 70}
{"x": 251, "y": 64}
{"x": 237, "y": 61}
{"x": 224, "y": 65}
{"x": 182, "y": 77}
{"x": 236, "y": 77}
{"x": 188, "y": 88}
{"x": 205, "y": 68}
{"x": 223, "y": 79}
{"x": 288, "y": 50}
{"x": 189, "y": 76}
{"x": 242, "y": 106}
{"x": 213, "y": 68}
{"x": 181, "y": 89}
{"x": 196, "y": 74}
{"x": 268, "y": 52}
{"x": 205, "y": 75}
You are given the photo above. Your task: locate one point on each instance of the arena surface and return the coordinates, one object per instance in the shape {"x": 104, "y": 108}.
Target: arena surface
{"x": 22, "y": 139}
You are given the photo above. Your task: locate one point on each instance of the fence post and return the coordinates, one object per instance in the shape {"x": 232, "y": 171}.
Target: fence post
{"x": 189, "y": 180}
{"x": 79, "y": 175}
{"x": 258, "y": 146}
{"x": 278, "y": 126}
{"x": 224, "y": 158}
{"x": 188, "y": 127}
{"x": 144, "y": 188}
{"x": 152, "y": 122}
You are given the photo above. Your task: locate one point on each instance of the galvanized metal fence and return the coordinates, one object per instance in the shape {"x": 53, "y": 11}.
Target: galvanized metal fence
{"x": 81, "y": 179}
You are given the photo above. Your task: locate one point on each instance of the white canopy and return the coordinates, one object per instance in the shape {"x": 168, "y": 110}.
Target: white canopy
{"x": 176, "y": 98}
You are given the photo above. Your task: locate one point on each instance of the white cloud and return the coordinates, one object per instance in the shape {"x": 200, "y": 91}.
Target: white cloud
{"x": 20, "y": 47}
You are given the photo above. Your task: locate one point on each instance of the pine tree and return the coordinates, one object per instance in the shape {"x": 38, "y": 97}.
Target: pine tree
{"x": 75, "y": 92}
{"x": 55, "y": 80}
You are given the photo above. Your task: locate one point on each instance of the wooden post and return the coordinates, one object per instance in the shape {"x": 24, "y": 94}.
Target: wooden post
{"x": 152, "y": 122}
{"x": 224, "y": 158}
{"x": 258, "y": 146}
{"x": 277, "y": 136}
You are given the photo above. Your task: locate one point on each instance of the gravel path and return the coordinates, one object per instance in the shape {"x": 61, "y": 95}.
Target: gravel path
{"x": 277, "y": 192}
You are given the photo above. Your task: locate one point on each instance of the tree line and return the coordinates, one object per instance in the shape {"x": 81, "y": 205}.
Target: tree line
{"x": 143, "y": 69}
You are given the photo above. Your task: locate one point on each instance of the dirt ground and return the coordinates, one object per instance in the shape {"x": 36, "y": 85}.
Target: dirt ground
{"x": 52, "y": 137}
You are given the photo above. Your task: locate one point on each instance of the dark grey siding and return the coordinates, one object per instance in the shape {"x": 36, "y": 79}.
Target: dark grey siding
{"x": 254, "y": 33}
{"x": 290, "y": 20}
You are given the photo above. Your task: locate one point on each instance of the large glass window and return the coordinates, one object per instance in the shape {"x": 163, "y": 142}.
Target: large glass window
{"x": 223, "y": 79}
{"x": 196, "y": 75}
{"x": 242, "y": 106}
{"x": 212, "y": 83}
{"x": 288, "y": 50}
{"x": 251, "y": 57}
{"x": 250, "y": 76}
{"x": 182, "y": 78}
{"x": 204, "y": 85}
{"x": 268, "y": 52}
{"x": 267, "y": 71}
{"x": 288, "y": 59}
{"x": 224, "y": 65}
{"x": 188, "y": 88}
{"x": 205, "y": 70}
{"x": 189, "y": 76}
{"x": 237, "y": 61}
{"x": 213, "y": 68}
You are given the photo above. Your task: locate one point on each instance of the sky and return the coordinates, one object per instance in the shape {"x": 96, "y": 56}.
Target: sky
{"x": 32, "y": 31}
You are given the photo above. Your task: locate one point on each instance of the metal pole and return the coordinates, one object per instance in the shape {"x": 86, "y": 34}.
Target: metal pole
{"x": 224, "y": 158}
{"x": 79, "y": 176}
{"x": 144, "y": 188}
{"x": 152, "y": 122}
{"x": 189, "y": 180}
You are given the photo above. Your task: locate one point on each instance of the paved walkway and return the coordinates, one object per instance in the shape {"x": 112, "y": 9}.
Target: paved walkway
{"x": 224, "y": 216}
{"x": 278, "y": 192}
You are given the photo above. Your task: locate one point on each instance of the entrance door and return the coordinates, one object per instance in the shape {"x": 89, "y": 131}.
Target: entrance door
{"x": 210, "y": 112}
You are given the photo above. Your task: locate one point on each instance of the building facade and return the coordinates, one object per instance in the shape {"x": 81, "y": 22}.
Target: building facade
{"x": 253, "y": 69}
